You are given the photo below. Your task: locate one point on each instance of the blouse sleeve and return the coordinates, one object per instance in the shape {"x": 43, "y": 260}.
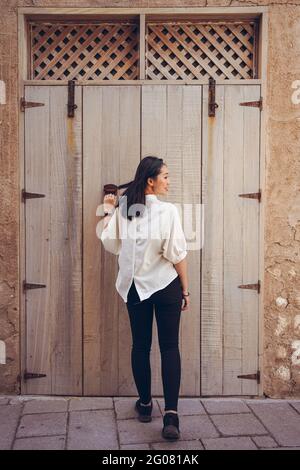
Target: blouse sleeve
{"x": 174, "y": 246}
{"x": 110, "y": 236}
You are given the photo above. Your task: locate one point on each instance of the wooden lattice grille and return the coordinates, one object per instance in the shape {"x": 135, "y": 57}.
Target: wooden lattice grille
{"x": 196, "y": 51}
{"x": 103, "y": 51}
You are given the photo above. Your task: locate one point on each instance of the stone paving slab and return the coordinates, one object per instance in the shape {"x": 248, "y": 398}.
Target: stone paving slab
{"x": 91, "y": 403}
{"x": 281, "y": 420}
{"x": 42, "y": 406}
{"x": 238, "y": 424}
{"x": 17, "y": 399}
{"x": 215, "y": 406}
{"x": 92, "y": 430}
{"x": 4, "y": 401}
{"x": 132, "y": 431}
{"x": 197, "y": 427}
{"x": 43, "y": 424}
{"x": 229, "y": 443}
{"x": 9, "y": 416}
{"x": 264, "y": 441}
{"x": 40, "y": 443}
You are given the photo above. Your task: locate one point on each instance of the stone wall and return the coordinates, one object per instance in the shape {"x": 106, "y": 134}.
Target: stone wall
{"x": 282, "y": 191}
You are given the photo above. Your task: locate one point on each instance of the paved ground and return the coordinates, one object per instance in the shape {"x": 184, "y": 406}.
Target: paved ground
{"x": 35, "y": 422}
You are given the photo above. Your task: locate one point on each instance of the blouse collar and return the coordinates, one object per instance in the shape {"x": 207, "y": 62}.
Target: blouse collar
{"x": 151, "y": 196}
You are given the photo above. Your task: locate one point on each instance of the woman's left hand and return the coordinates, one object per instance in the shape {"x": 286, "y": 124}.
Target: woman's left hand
{"x": 185, "y": 303}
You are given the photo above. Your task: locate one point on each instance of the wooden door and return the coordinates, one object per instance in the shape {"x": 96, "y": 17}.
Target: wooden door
{"x": 230, "y": 254}
{"x": 53, "y": 243}
{"x": 77, "y": 327}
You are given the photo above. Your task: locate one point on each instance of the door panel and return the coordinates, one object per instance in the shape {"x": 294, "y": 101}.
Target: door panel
{"x": 53, "y": 235}
{"x": 111, "y": 148}
{"x": 171, "y": 129}
{"x": 229, "y": 339}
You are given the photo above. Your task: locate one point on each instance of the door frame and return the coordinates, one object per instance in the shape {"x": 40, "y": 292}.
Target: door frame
{"x": 206, "y": 12}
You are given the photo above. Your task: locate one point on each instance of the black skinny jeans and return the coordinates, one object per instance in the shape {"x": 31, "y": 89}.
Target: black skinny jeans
{"x": 167, "y": 303}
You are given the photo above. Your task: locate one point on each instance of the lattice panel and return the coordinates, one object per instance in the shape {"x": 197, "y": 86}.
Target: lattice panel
{"x": 196, "y": 51}
{"x": 103, "y": 51}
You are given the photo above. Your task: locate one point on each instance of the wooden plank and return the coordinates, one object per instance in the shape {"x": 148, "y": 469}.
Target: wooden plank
{"x": 111, "y": 142}
{"x": 154, "y": 142}
{"x": 53, "y": 242}
{"x": 233, "y": 240}
{"x": 171, "y": 129}
{"x": 250, "y": 221}
{"x": 195, "y": 82}
{"x": 104, "y": 157}
{"x": 212, "y": 251}
{"x": 215, "y": 12}
{"x": 129, "y": 158}
{"x": 92, "y": 254}
{"x": 66, "y": 240}
{"x": 241, "y": 228}
{"x": 191, "y": 135}
{"x": 174, "y": 160}
{"x": 37, "y": 340}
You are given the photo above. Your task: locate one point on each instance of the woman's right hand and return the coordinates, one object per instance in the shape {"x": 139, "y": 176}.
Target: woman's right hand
{"x": 109, "y": 202}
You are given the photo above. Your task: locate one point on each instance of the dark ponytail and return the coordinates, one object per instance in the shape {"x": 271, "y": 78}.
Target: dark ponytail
{"x": 149, "y": 167}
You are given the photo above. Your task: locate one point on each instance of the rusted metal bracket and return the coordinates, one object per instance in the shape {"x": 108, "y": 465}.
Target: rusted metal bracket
{"x": 212, "y": 105}
{"x": 71, "y": 98}
{"x": 253, "y": 104}
{"x": 31, "y": 285}
{"x": 32, "y": 375}
{"x": 251, "y": 286}
{"x": 252, "y": 195}
{"x": 26, "y": 195}
{"x": 251, "y": 376}
{"x": 29, "y": 104}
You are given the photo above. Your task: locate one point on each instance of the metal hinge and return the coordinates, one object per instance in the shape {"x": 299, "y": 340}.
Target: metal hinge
{"x": 29, "y": 104}
{"x": 252, "y": 195}
{"x": 254, "y": 104}
{"x": 30, "y": 285}
{"x": 26, "y": 195}
{"x": 31, "y": 375}
{"x": 251, "y": 286}
{"x": 251, "y": 376}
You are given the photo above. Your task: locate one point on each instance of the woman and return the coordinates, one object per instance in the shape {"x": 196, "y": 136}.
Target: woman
{"x": 152, "y": 273}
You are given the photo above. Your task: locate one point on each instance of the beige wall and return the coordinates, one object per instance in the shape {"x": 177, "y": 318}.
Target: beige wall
{"x": 282, "y": 196}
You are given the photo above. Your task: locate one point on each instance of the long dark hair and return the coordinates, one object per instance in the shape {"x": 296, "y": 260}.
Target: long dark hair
{"x": 149, "y": 167}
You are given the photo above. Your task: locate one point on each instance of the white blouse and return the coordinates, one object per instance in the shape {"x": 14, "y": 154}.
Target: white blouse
{"x": 148, "y": 246}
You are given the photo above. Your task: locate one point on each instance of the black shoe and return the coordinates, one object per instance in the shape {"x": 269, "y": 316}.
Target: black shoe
{"x": 171, "y": 426}
{"x": 144, "y": 412}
